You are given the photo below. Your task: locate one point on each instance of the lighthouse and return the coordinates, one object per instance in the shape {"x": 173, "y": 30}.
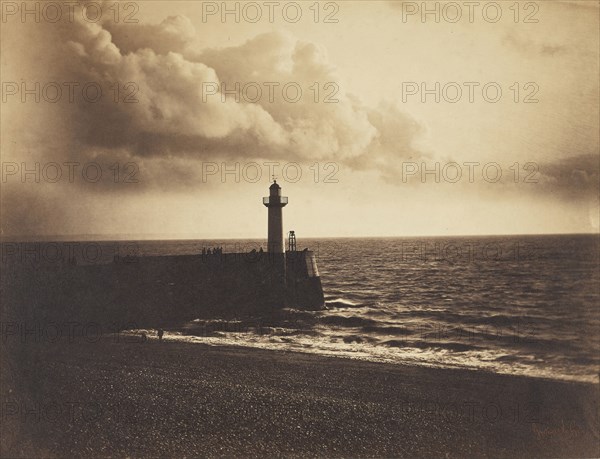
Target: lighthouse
{"x": 275, "y": 202}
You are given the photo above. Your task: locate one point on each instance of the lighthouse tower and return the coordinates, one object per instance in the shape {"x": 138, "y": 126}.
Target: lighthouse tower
{"x": 275, "y": 202}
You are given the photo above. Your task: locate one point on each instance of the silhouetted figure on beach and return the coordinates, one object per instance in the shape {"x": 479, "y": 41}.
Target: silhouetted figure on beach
{"x": 160, "y": 334}
{"x": 203, "y": 250}
{"x": 208, "y": 252}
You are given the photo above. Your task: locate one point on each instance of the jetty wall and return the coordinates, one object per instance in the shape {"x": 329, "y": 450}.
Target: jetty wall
{"x": 155, "y": 291}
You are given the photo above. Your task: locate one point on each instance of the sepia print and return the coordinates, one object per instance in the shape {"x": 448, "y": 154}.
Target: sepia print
{"x": 299, "y": 229}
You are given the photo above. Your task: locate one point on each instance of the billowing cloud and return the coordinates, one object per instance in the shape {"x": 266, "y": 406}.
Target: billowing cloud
{"x": 181, "y": 109}
{"x": 179, "y": 114}
{"x": 170, "y": 115}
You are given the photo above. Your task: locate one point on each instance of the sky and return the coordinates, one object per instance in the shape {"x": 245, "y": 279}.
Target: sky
{"x": 158, "y": 119}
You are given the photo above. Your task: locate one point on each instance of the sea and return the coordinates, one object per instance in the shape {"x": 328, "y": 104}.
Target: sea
{"x": 521, "y": 305}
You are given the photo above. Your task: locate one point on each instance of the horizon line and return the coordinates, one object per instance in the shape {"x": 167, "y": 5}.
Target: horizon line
{"x": 175, "y": 237}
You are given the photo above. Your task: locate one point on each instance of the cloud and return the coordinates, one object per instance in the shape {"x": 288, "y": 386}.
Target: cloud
{"x": 175, "y": 115}
{"x": 174, "y": 125}
{"x": 573, "y": 178}
{"x": 174, "y": 34}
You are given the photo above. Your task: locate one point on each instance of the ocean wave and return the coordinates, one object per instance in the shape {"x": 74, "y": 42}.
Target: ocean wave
{"x": 451, "y": 346}
{"x": 341, "y": 303}
{"x": 388, "y": 330}
{"x": 349, "y": 339}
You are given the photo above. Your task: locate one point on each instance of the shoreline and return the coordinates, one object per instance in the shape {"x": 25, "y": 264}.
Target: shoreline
{"x": 174, "y": 398}
{"x": 184, "y": 338}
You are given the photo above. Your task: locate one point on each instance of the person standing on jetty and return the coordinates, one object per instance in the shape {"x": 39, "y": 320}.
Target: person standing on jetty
{"x": 160, "y": 334}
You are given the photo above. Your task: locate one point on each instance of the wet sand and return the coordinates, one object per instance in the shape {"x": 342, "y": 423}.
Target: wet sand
{"x": 151, "y": 399}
